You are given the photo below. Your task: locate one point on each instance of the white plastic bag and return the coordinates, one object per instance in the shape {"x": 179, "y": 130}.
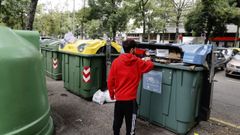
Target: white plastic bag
{"x": 99, "y": 97}
{"x": 107, "y": 97}
{"x": 69, "y": 37}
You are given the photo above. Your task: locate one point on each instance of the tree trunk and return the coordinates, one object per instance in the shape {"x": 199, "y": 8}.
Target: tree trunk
{"x": 207, "y": 36}
{"x": 0, "y": 7}
{"x": 144, "y": 24}
{"x": 177, "y": 28}
{"x": 82, "y": 30}
{"x": 236, "y": 43}
{"x": 238, "y": 26}
{"x": 113, "y": 33}
{"x": 143, "y": 17}
{"x": 83, "y": 19}
{"x": 163, "y": 37}
{"x": 22, "y": 21}
{"x": 209, "y": 28}
{"x": 149, "y": 37}
{"x": 31, "y": 14}
{"x": 113, "y": 26}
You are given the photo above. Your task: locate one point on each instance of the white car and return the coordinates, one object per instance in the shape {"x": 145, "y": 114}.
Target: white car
{"x": 233, "y": 66}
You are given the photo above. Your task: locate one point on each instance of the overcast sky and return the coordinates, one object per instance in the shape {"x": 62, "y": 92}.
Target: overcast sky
{"x": 62, "y": 5}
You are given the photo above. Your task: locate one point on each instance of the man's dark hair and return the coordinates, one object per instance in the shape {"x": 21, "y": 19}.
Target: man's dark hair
{"x": 128, "y": 45}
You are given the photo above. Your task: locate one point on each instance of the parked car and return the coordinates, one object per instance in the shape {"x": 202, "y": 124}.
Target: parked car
{"x": 227, "y": 52}
{"x": 219, "y": 60}
{"x": 233, "y": 66}
{"x": 236, "y": 50}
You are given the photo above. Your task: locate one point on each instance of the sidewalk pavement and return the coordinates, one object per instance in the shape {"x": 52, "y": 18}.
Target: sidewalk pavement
{"x": 73, "y": 115}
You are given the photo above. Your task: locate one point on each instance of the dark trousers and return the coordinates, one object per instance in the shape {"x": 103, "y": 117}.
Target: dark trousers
{"x": 127, "y": 110}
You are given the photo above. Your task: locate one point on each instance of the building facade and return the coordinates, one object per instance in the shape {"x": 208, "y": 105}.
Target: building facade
{"x": 169, "y": 37}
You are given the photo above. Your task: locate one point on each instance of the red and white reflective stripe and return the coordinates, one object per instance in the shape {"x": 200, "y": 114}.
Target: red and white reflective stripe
{"x": 86, "y": 74}
{"x": 55, "y": 63}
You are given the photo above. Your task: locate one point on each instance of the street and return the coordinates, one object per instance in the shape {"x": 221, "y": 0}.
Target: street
{"x": 75, "y": 116}
{"x": 226, "y": 99}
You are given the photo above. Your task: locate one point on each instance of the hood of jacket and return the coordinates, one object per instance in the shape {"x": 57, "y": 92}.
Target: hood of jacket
{"x": 128, "y": 59}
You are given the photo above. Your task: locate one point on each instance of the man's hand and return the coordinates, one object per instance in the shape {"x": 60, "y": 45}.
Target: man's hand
{"x": 147, "y": 53}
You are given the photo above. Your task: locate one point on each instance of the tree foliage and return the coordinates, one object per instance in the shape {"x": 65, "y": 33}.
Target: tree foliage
{"x": 159, "y": 15}
{"x": 53, "y": 22}
{"x": 235, "y": 18}
{"x": 111, "y": 13}
{"x": 150, "y": 15}
{"x": 93, "y": 29}
{"x": 14, "y": 13}
{"x": 139, "y": 10}
{"x": 179, "y": 9}
{"x": 111, "y": 16}
{"x": 18, "y": 14}
{"x": 209, "y": 17}
{"x": 84, "y": 15}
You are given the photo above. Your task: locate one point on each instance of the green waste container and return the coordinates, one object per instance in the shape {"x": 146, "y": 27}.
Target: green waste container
{"x": 24, "y": 107}
{"x": 169, "y": 96}
{"x": 84, "y": 66}
{"x": 52, "y": 59}
{"x": 176, "y": 96}
{"x": 83, "y": 74}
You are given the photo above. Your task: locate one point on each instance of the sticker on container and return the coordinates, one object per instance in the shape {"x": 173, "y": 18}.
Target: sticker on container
{"x": 152, "y": 81}
{"x": 55, "y": 63}
{"x": 86, "y": 74}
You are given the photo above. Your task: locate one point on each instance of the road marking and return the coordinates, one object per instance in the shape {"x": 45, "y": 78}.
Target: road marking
{"x": 225, "y": 123}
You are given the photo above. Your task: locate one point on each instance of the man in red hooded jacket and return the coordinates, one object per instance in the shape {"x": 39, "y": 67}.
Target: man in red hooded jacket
{"x": 124, "y": 77}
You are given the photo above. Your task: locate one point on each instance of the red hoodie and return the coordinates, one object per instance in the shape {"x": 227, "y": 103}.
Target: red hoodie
{"x": 125, "y": 75}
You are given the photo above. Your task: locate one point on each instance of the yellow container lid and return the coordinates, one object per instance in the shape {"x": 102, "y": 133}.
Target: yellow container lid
{"x": 87, "y": 46}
